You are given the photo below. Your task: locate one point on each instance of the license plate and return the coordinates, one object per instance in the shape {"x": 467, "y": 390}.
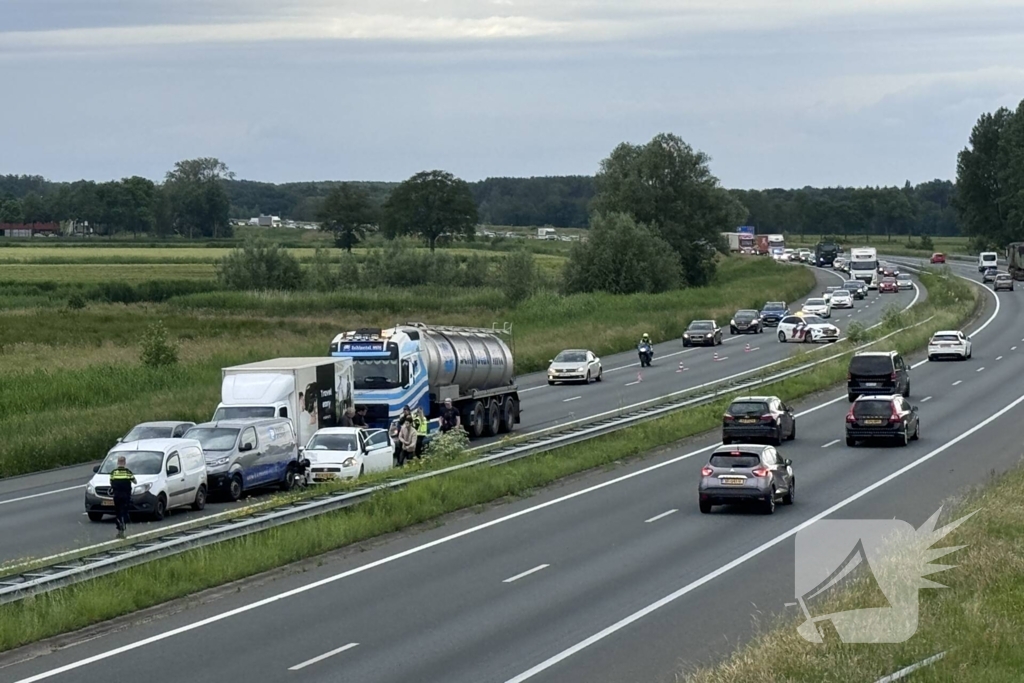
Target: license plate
{"x": 733, "y": 481}
{"x": 748, "y": 421}
{"x": 871, "y": 384}
{"x": 872, "y": 422}
{"x": 322, "y": 477}
{"x": 107, "y": 503}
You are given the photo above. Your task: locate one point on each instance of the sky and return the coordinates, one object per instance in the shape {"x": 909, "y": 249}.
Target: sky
{"x": 780, "y": 93}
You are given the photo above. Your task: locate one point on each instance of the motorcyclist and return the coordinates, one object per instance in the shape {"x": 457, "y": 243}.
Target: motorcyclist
{"x": 645, "y": 339}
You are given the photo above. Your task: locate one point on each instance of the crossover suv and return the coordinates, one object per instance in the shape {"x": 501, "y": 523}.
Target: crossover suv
{"x": 773, "y": 312}
{"x": 949, "y": 344}
{"x": 877, "y": 373}
{"x": 1002, "y": 281}
{"x": 889, "y": 418}
{"x": 758, "y": 418}
{"x": 746, "y": 474}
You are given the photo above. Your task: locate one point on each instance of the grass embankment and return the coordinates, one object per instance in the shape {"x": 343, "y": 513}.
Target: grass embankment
{"x": 977, "y": 620}
{"x": 950, "y": 301}
{"x": 71, "y": 382}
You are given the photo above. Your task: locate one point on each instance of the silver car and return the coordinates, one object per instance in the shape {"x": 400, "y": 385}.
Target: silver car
{"x": 247, "y": 454}
{"x": 747, "y": 473}
{"x": 575, "y": 365}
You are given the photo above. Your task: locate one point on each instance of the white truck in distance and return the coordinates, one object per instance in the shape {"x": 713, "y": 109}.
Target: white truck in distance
{"x": 864, "y": 265}
{"x": 311, "y": 392}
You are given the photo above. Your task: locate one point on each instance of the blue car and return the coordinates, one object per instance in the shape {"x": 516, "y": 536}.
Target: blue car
{"x": 773, "y": 312}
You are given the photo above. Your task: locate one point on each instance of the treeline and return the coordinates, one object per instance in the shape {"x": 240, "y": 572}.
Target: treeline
{"x": 990, "y": 180}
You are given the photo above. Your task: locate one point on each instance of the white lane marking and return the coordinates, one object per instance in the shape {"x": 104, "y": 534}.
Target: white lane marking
{"x": 574, "y": 398}
{"x": 926, "y": 399}
{"x": 661, "y": 516}
{"x": 632, "y": 384}
{"x": 526, "y": 573}
{"x": 999, "y": 357}
{"x": 383, "y": 561}
{"x": 523, "y": 391}
{"x": 959, "y": 381}
{"x": 690, "y": 587}
{"x": 40, "y": 495}
{"x": 906, "y": 671}
{"x": 831, "y": 443}
{"x": 980, "y": 369}
{"x": 1013, "y": 348}
{"x": 323, "y": 657}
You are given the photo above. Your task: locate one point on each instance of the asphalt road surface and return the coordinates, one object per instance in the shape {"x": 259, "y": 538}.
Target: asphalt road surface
{"x": 42, "y": 515}
{"x": 613, "y": 576}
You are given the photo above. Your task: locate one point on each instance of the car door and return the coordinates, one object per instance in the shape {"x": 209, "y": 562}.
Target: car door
{"x": 176, "y": 480}
{"x": 249, "y": 459}
{"x": 903, "y": 372}
{"x": 379, "y": 451}
{"x": 195, "y": 470}
{"x": 788, "y": 421}
{"x": 594, "y": 363}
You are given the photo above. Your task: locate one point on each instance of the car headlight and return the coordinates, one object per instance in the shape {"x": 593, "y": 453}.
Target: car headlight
{"x": 686, "y": 335}
{"x": 141, "y": 488}
{"x": 732, "y": 322}
{"x": 219, "y": 462}
{"x": 580, "y": 369}
{"x": 349, "y": 462}
{"x": 90, "y": 489}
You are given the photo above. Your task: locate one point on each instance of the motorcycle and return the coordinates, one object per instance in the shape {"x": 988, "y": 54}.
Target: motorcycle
{"x": 646, "y": 353}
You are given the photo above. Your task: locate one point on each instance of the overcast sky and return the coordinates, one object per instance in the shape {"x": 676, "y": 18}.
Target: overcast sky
{"x": 779, "y": 93}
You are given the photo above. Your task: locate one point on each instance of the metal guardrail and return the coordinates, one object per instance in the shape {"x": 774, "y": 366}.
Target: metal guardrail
{"x": 15, "y": 587}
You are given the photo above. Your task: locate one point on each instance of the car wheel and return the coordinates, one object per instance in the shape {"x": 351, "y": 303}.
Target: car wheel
{"x": 904, "y": 439}
{"x": 777, "y": 441}
{"x": 235, "y": 489}
{"x": 600, "y": 374}
{"x": 686, "y": 343}
{"x": 792, "y": 433}
{"x": 906, "y": 394}
{"x": 917, "y": 431}
{"x": 587, "y": 380}
{"x": 550, "y": 383}
{"x": 732, "y": 330}
{"x": 705, "y": 507}
{"x": 852, "y": 397}
{"x": 782, "y": 336}
{"x": 769, "y": 505}
{"x": 851, "y": 442}
{"x": 289, "y": 479}
{"x": 95, "y": 516}
{"x": 160, "y": 509}
{"x": 790, "y": 494}
{"x": 200, "y": 501}
{"x": 970, "y": 353}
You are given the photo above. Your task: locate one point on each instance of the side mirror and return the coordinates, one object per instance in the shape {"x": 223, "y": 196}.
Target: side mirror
{"x": 913, "y": 409}
{"x": 172, "y": 470}
{"x": 120, "y": 439}
{"x": 405, "y": 373}
{"x": 551, "y": 360}
{"x": 788, "y": 462}
{"x": 302, "y": 449}
{"x": 95, "y": 469}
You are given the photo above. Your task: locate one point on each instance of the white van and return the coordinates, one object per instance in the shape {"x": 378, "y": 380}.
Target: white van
{"x": 169, "y": 473}
{"x": 987, "y": 259}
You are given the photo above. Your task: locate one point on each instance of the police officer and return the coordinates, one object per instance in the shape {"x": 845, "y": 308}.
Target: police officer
{"x": 121, "y": 483}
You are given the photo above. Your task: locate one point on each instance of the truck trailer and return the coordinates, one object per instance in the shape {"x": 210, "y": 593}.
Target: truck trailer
{"x": 733, "y": 240}
{"x": 1015, "y": 260}
{"x": 312, "y": 392}
{"x": 421, "y": 365}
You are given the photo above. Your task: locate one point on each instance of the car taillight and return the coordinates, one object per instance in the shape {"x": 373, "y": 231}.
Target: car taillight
{"x": 727, "y": 418}
{"x": 767, "y": 417}
{"x": 892, "y": 376}
{"x": 894, "y": 417}
{"x": 760, "y": 471}
{"x": 850, "y": 417}
{"x": 707, "y": 470}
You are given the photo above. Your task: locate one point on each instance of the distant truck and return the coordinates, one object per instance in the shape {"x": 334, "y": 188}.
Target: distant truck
{"x": 761, "y": 245}
{"x": 1015, "y": 259}
{"x": 776, "y": 242}
{"x": 825, "y": 253}
{"x": 311, "y": 392}
{"x": 420, "y": 366}
{"x": 733, "y": 239}
{"x": 546, "y": 233}
{"x": 864, "y": 265}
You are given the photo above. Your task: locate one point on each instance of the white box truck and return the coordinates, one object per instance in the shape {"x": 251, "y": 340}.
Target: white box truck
{"x": 311, "y": 392}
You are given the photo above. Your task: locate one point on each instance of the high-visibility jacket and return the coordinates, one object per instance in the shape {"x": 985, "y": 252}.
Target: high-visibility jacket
{"x": 422, "y": 425}
{"x": 121, "y": 480}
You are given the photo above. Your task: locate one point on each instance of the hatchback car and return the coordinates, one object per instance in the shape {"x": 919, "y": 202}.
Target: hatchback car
{"x": 842, "y": 298}
{"x": 575, "y": 365}
{"x": 857, "y": 288}
{"x": 746, "y": 474}
{"x": 891, "y": 418}
{"x": 818, "y": 307}
{"x": 1003, "y": 281}
{"x": 757, "y": 418}
{"x": 702, "y": 333}
{"x": 347, "y": 453}
{"x": 888, "y": 286}
{"x": 989, "y": 275}
{"x": 949, "y": 344}
{"x": 903, "y": 281}
{"x": 877, "y": 373}
{"x": 746, "y": 321}
{"x": 938, "y": 258}
{"x": 773, "y": 312}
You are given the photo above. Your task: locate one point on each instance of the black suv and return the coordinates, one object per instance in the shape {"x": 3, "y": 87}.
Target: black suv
{"x": 877, "y": 373}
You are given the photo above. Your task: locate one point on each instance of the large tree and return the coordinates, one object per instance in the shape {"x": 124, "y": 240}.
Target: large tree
{"x": 668, "y": 186}
{"x": 430, "y": 204}
{"x": 198, "y": 202}
{"x": 982, "y": 194}
{"x": 347, "y": 213}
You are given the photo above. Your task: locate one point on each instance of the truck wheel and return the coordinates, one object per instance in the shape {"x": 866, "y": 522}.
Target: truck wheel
{"x": 508, "y": 415}
{"x": 493, "y": 425}
{"x": 473, "y": 419}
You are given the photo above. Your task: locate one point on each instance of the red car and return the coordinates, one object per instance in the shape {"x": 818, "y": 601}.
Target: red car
{"x": 938, "y": 258}
{"x": 889, "y": 285}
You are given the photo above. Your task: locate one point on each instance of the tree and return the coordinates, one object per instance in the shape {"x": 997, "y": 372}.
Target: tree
{"x": 198, "y": 202}
{"x": 348, "y": 214}
{"x": 259, "y": 266}
{"x": 430, "y": 204}
{"x": 517, "y": 275}
{"x": 621, "y": 256}
{"x": 981, "y": 195}
{"x": 668, "y": 186}
{"x": 139, "y": 197}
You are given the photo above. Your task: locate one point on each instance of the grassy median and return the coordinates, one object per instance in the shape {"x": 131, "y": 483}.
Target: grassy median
{"x": 950, "y": 301}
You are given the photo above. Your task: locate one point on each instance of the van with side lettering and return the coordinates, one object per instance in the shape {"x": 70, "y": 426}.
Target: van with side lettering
{"x": 246, "y": 454}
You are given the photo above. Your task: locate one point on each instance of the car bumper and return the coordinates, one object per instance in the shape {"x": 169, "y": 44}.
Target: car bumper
{"x": 341, "y": 473}
{"x": 935, "y": 351}
{"x": 699, "y": 341}
{"x": 871, "y": 391}
{"x": 879, "y": 432}
{"x": 770, "y": 322}
{"x": 572, "y": 377}
{"x": 740, "y": 329}
{"x": 723, "y": 495}
{"x": 842, "y": 304}
{"x": 735, "y": 432}
{"x": 145, "y": 502}
{"x": 1008, "y": 288}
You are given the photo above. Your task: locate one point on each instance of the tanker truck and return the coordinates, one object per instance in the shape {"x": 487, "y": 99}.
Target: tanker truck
{"x": 420, "y": 365}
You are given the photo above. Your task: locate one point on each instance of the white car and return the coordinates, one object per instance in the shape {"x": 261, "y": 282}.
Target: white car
{"x": 346, "y": 453}
{"x": 903, "y": 281}
{"x": 818, "y": 307}
{"x": 575, "y": 365}
{"x": 949, "y": 343}
{"x": 841, "y": 298}
{"x": 807, "y": 328}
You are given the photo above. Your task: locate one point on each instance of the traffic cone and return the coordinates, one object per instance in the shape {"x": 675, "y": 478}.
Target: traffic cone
{"x": 681, "y": 368}
{"x": 715, "y": 357}
{"x": 639, "y": 377}
{"x": 746, "y": 349}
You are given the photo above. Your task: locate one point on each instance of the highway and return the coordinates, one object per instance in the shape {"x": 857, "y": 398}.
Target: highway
{"x": 612, "y": 576}
{"x": 42, "y": 515}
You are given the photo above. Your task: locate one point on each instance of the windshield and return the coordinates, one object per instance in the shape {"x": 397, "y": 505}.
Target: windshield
{"x": 748, "y": 408}
{"x": 374, "y": 373}
{"x": 571, "y": 357}
{"x": 871, "y": 365}
{"x": 775, "y": 306}
{"x": 840, "y": 294}
{"x": 140, "y": 432}
{"x": 852, "y": 285}
{"x": 333, "y": 442}
{"x": 863, "y": 265}
{"x": 745, "y": 315}
{"x": 214, "y": 438}
{"x": 815, "y": 302}
{"x": 813, "y": 320}
{"x": 881, "y": 407}
{"x": 242, "y": 412}
{"x": 139, "y": 462}
{"x": 701, "y": 325}
{"x": 742, "y": 460}
{"x": 945, "y": 339}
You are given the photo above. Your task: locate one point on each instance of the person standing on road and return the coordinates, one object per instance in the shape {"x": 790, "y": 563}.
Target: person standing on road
{"x": 121, "y": 483}
{"x": 407, "y": 442}
{"x": 449, "y": 417}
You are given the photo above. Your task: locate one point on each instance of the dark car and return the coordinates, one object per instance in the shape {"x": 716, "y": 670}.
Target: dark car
{"x": 877, "y": 373}
{"x": 858, "y": 289}
{"x": 773, "y": 312}
{"x": 758, "y": 418}
{"x": 746, "y": 321}
{"x": 891, "y": 418}
{"x": 938, "y": 258}
{"x": 746, "y": 474}
{"x": 889, "y": 285}
{"x": 702, "y": 333}
{"x": 1003, "y": 281}
{"x": 989, "y": 275}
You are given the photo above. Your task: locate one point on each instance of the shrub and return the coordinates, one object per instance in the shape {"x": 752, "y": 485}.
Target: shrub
{"x": 892, "y": 317}
{"x": 517, "y": 276}
{"x": 157, "y": 350}
{"x": 857, "y": 333}
{"x": 259, "y": 265}
{"x": 448, "y": 445}
{"x": 76, "y": 302}
{"x": 926, "y": 243}
{"x": 348, "y": 271}
{"x": 320, "y": 274}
